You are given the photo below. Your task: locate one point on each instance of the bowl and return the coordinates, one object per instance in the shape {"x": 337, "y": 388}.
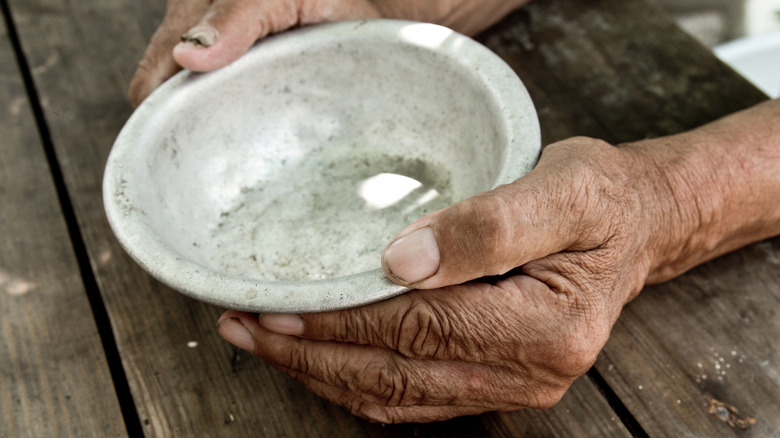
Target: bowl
{"x": 273, "y": 184}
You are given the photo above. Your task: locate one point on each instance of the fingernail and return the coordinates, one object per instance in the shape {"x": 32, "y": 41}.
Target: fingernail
{"x": 203, "y": 34}
{"x": 234, "y": 331}
{"x": 285, "y": 324}
{"x": 414, "y": 257}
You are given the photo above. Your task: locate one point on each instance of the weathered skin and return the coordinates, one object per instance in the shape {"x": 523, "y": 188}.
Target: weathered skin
{"x": 204, "y": 35}
{"x": 587, "y": 229}
{"x": 590, "y": 225}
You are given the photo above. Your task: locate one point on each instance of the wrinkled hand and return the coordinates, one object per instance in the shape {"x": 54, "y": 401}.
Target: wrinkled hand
{"x": 204, "y": 35}
{"x": 580, "y": 225}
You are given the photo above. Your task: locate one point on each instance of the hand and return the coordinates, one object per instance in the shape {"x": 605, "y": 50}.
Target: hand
{"x": 588, "y": 226}
{"x": 204, "y": 35}
{"x": 581, "y": 225}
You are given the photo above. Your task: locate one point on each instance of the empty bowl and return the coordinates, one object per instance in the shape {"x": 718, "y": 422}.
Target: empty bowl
{"x": 273, "y": 184}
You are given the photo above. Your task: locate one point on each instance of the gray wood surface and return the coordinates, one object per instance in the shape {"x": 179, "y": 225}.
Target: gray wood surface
{"x": 701, "y": 354}
{"x": 614, "y": 69}
{"x": 83, "y": 54}
{"x": 697, "y": 356}
{"x": 54, "y": 380}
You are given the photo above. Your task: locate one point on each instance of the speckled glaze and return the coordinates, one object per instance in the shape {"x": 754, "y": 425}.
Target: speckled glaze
{"x": 273, "y": 185}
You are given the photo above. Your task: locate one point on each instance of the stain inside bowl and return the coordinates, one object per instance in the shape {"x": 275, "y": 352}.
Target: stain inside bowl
{"x": 327, "y": 214}
{"x": 302, "y": 160}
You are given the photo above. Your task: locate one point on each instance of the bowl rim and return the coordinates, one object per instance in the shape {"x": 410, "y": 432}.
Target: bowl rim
{"x": 157, "y": 258}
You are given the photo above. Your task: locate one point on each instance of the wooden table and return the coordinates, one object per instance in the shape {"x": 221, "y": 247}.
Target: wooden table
{"x": 92, "y": 346}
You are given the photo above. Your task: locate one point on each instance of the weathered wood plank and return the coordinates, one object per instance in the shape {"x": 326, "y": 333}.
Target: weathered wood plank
{"x": 615, "y": 70}
{"x": 82, "y": 54}
{"x": 697, "y": 356}
{"x": 53, "y": 374}
{"x": 701, "y": 354}
{"x": 92, "y": 47}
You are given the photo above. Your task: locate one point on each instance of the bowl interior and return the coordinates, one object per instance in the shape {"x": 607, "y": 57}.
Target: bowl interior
{"x": 304, "y": 164}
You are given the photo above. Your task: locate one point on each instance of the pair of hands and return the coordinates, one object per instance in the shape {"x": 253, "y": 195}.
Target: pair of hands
{"x": 581, "y": 234}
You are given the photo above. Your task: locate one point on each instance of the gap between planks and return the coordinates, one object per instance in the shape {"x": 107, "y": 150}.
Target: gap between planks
{"x": 617, "y": 405}
{"x": 99, "y": 313}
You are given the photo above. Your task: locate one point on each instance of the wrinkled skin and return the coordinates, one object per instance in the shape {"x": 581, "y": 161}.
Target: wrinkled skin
{"x": 570, "y": 243}
{"x": 588, "y": 227}
{"x": 519, "y": 341}
{"x": 217, "y": 32}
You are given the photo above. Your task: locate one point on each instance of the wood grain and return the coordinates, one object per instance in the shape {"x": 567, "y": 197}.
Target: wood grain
{"x": 614, "y": 69}
{"x": 701, "y": 354}
{"x": 697, "y": 356}
{"x": 53, "y": 374}
{"x": 210, "y": 389}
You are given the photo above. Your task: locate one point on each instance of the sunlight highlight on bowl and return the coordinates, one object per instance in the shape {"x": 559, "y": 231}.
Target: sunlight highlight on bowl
{"x": 274, "y": 184}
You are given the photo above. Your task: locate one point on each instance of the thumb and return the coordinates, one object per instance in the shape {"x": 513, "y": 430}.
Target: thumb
{"x": 227, "y": 29}
{"x": 230, "y": 27}
{"x": 488, "y": 234}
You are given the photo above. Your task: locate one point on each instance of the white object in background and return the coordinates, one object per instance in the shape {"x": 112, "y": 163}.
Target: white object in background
{"x": 761, "y": 16}
{"x": 757, "y": 58}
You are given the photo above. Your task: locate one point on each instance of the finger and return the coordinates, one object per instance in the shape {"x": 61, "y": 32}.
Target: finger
{"x": 381, "y": 376}
{"x": 474, "y": 322}
{"x": 491, "y": 233}
{"x": 230, "y": 27}
{"x": 383, "y": 414}
{"x": 157, "y": 64}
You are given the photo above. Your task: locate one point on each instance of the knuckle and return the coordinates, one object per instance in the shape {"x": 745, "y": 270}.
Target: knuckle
{"x": 145, "y": 66}
{"x": 547, "y": 398}
{"x": 150, "y": 72}
{"x": 367, "y": 326}
{"x": 578, "y": 353}
{"x": 536, "y": 392}
{"x": 297, "y": 359}
{"x": 488, "y": 231}
{"x": 578, "y": 148}
{"x": 441, "y": 330}
{"x": 591, "y": 196}
{"x": 422, "y": 332}
{"x": 383, "y": 383}
{"x": 352, "y": 325}
{"x": 582, "y": 195}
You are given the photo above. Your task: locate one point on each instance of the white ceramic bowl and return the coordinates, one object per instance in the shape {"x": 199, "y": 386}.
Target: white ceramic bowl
{"x": 272, "y": 185}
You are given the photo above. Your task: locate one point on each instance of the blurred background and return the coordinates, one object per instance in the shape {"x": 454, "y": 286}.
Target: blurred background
{"x": 744, "y": 33}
